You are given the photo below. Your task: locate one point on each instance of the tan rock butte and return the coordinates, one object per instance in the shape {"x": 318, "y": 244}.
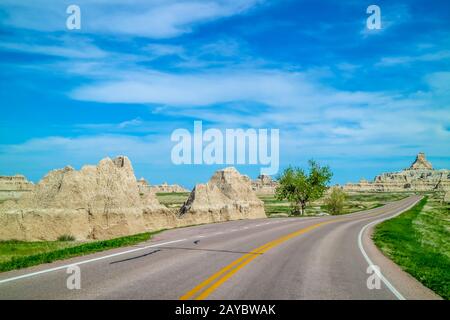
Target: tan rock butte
{"x": 106, "y": 201}
{"x": 228, "y": 194}
{"x": 420, "y": 176}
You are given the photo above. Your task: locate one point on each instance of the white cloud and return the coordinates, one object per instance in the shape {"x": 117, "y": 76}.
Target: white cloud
{"x": 321, "y": 118}
{"x": 312, "y": 117}
{"x": 156, "y": 50}
{"x": 279, "y": 89}
{"x": 154, "y": 19}
{"x": 35, "y": 157}
{"x": 223, "y": 47}
{"x": 399, "y": 60}
{"x": 80, "y": 48}
{"x": 144, "y": 149}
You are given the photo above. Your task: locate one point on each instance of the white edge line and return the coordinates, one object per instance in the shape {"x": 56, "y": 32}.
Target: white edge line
{"x": 376, "y": 270}
{"x": 28, "y": 275}
{"x": 85, "y": 261}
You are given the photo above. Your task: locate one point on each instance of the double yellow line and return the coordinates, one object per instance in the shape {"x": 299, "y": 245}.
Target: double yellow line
{"x": 208, "y": 286}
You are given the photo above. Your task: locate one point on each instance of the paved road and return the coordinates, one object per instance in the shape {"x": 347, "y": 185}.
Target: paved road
{"x": 286, "y": 258}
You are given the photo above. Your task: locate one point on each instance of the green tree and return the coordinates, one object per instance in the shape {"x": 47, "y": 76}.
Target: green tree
{"x": 335, "y": 201}
{"x": 300, "y": 188}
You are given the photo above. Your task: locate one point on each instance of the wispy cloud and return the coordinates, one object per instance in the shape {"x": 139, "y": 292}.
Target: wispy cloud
{"x": 57, "y": 149}
{"x": 153, "y": 19}
{"x": 400, "y": 60}
{"x": 323, "y": 119}
{"x": 82, "y": 48}
{"x": 276, "y": 88}
{"x": 140, "y": 69}
{"x": 156, "y": 50}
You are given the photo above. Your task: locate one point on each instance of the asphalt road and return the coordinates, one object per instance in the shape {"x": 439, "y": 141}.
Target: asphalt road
{"x": 285, "y": 258}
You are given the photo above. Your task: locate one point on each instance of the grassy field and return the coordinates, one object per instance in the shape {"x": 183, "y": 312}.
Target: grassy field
{"x": 419, "y": 242}
{"x": 274, "y": 208}
{"x": 355, "y": 202}
{"x": 20, "y": 254}
{"x": 173, "y": 199}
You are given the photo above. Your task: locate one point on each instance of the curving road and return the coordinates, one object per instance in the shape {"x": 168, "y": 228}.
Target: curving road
{"x": 286, "y": 258}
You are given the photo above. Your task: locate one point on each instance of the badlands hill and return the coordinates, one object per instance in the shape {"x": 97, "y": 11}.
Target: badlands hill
{"x": 162, "y": 188}
{"x": 420, "y": 176}
{"x": 264, "y": 184}
{"x": 228, "y": 194}
{"x": 13, "y": 187}
{"x": 106, "y": 201}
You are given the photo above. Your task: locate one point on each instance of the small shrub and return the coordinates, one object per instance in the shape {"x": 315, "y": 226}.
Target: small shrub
{"x": 335, "y": 201}
{"x": 66, "y": 237}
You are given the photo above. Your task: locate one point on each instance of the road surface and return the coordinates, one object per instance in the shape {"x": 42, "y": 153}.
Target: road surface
{"x": 283, "y": 258}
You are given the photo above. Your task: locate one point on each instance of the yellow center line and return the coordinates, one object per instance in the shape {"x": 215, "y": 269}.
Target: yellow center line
{"x": 203, "y": 284}
{"x": 228, "y": 271}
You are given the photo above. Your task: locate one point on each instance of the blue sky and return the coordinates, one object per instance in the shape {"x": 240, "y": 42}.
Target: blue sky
{"x": 361, "y": 101}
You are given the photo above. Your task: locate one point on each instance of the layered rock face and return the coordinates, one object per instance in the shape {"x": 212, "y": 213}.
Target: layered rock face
{"x": 264, "y": 185}
{"x": 421, "y": 163}
{"x": 96, "y": 202}
{"x": 13, "y": 187}
{"x": 420, "y": 176}
{"x": 228, "y": 195}
{"x": 143, "y": 185}
{"x": 168, "y": 188}
{"x": 163, "y": 188}
{"x": 106, "y": 201}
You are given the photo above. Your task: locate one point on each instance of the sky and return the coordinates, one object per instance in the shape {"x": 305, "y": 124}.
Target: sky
{"x": 360, "y": 101}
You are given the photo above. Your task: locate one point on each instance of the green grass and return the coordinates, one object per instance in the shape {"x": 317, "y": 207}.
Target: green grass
{"x": 354, "y": 202}
{"x": 276, "y": 210}
{"x": 173, "y": 199}
{"x": 380, "y": 197}
{"x": 419, "y": 242}
{"x": 20, "y": 254}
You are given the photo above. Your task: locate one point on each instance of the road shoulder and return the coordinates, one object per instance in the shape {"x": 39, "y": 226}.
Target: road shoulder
{"x": 406, "y": 284}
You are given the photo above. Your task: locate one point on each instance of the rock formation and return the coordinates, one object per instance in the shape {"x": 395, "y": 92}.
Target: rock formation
{"x": 420, "y": 176}
{"x": 264, "y": 185}
{"x": 143, "y": 185}
{"x": 168, "y": 188}
{"x": 13, "y": 187}
{"x": 106, "y": 201}
{"x": 163, "y": 188}
{"x": 421, "y": 163}
{"x": 96, "y": 202}
{"x": 227, "y": 196}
